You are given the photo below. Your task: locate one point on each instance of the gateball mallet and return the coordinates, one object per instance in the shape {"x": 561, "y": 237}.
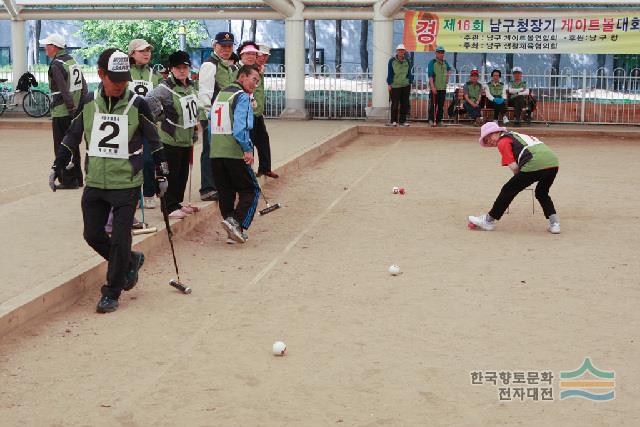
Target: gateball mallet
{"x": 173, "y": 282}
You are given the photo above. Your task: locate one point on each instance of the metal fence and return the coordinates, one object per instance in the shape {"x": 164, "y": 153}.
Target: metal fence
{"x": 598, "y": 97}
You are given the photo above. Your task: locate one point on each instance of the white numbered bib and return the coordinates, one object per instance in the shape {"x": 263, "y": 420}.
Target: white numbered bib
{"x": 109, "y": 136}
{"x": 75, "y": 78}
{"x": 220, "y": 119}
{"x": 189, "y": 111}
{"x": 140, "y": 87}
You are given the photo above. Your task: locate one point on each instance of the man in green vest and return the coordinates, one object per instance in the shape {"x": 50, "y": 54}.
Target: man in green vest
{"x": 114, "y": 121}
{"x": 472, "y": 94}
{"x": 67, "y": 86}
{"x": 399, "y": 79}
{"x": 438, "y": 72}
{"x": 518, "y": 92}
{"x": 232, "y": 153}
{"x": 215, "y": 74}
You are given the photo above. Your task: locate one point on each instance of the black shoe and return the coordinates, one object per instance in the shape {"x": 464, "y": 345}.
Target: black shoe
{"x": 209, "y": 196}
{"x": 131, "y": 279}
{"x": 107, "y": 305}
{"x": 71, "y": 186}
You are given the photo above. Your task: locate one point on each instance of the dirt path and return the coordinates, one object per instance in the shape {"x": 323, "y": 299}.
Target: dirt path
{"x": 365, "y": 348}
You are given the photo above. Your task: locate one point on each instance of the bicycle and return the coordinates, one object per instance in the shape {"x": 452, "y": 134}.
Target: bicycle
{"x": 35, "y": 102}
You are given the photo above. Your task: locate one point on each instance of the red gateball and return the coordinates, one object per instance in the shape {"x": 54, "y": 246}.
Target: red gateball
{"x": 401, "y": 191}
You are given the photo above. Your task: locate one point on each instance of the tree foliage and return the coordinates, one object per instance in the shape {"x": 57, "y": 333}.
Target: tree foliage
{"x": 163, "y": 35}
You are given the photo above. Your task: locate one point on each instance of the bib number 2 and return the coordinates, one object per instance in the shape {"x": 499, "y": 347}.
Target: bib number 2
{"x": 75, "y": 78}
{"x": 109, "y": 136}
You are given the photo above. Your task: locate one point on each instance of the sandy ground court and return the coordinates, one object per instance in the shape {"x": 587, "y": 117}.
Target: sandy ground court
{"x": 365, "y": 348}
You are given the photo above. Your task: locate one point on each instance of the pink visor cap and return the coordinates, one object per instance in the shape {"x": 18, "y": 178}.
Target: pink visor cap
{"x": 488, "y": 129}
{"x": 249, "y": 49}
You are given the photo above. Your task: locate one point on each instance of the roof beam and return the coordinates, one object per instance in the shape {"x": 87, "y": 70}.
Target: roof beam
{"x": 11, "y": 8}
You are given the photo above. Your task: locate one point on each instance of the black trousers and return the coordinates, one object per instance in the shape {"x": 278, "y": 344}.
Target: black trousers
{"x": 498, "y": 109}
{"x": 178, "y": 160}
{"x": 206, "y": 179}
{"x": 260, "y": 139}
{"x": 439, "y": 101}
{"x": 60, "y": 126}
{"x": 517, "y": 102}
{"x": 96, "y": 205}
{"x": 400, "y": 103}
{"x": 519, "y": 182}
{"x": 234, "y": 177}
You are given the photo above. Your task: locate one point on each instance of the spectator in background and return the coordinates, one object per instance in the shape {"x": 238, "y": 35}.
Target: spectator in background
{"x": 472, "y": 95}
{"x": 399, "y": 79}
{"x": 518, "y": 92}
{"x": 67, "y": 86}
{"x": 259, "y": 134}
{"x": 439, "y": 72}
{"x": 496, "y": 93}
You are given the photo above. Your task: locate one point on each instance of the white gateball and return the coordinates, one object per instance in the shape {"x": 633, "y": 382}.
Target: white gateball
{"x": 394, "y": 270}
{"x": 395, "y": 190}
{"x": 279, "y": 348}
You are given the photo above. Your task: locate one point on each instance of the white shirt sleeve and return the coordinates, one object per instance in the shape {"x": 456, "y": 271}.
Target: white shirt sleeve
{"x": 487, "y": 92}
{"x": 207, "y": 83}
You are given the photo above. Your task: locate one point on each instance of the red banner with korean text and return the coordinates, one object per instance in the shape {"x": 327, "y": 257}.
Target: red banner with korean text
{"x": 508, "y": 33}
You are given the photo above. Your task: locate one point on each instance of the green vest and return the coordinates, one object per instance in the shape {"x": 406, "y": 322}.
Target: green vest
{"x": 473, "y": 91}
{"x": 495, "y": 90}
{"x": 172, "y": 130}
{"x": 107, "y": 173}
{"x": 440, "y": 71}
{"x": 145, "y": 73}
{"x": 225, "y": 75}
{"x": 225, "y": 145}
{"x": 400, "y": 73}
{"x": 61, "y": 110}
{"x": 258, "y": 95}
{"x": 541, "y": 155}
{"x": 521, "y": 85}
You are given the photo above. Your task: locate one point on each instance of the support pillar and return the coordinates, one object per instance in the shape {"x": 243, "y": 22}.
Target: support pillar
{"x": 382, "y": 51}
{"x": 294, "y": 68}
{"x": 18, "y": 50}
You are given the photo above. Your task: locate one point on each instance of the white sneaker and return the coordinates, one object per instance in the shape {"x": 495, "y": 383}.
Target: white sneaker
{"x": 149, "y": 202}
{"x": 481, "y": 222}
{"x": 554, "y": 228}
{"x": 405, "y": 124}
{"x": 392, "y": 124}
{"x": 233, "y": 230}
{"x": 505, "y": 120}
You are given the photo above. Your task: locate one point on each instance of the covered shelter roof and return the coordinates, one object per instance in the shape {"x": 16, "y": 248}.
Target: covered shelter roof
{"x": 268, "y": 9}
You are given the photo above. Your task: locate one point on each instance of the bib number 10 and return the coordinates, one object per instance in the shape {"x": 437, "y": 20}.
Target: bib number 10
{"x": 220, "y": 119}
{"x": 189, "y": 111}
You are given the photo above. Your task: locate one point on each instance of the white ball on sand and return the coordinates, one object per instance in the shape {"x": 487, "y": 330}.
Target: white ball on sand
{"x": 395, "y": 190}
{"x": 279, "y": 348}
{"x": 394, "y": 270}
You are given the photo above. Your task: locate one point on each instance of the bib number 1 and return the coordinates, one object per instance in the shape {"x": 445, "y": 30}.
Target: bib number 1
{"x": 220, "y": 119}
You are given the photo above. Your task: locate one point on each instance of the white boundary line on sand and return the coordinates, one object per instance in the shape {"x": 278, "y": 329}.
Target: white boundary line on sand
{"x": 317, "y": 219}
{"x": 187, "y": 347}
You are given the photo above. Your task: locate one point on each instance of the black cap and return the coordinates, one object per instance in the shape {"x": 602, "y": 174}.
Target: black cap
{"x": 179, "y": 57}
{"x": 224, "y": 38}
{"x": 116, "y": 63}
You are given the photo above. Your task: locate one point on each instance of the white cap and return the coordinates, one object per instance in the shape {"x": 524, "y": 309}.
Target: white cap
{"x": 264, "y": 50}
{"x": 118, "y": 67}
{"x": 400, "y": 46}
{"x": 516, "y": 70}
{"x": 138, "y": 44}
{"x": 54, "y": 39}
